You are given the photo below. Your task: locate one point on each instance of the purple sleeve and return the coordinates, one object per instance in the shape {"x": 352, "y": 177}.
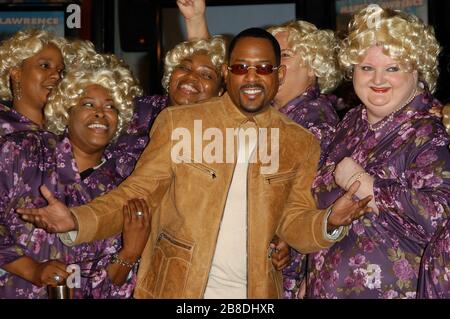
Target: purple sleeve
{"x": 17, "y": 173}
{"x": 417, "y": 200}
{"x": 130, "y": 144}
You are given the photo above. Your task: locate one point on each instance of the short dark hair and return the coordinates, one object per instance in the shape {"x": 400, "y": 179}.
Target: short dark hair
{"x": 256, "y": 33}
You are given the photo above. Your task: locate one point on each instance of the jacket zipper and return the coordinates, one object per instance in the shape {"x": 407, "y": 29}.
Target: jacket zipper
{"x": 199, "y": 166}
{"x": 280, "y": 178}
{"x": 163, "y": 235}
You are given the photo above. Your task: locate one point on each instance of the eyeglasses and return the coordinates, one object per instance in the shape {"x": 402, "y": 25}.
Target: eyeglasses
{"x": 261, "y": 69}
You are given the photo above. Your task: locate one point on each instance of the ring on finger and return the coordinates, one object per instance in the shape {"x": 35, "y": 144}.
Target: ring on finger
{"x": 57, "y": 278}
{"x": 139, "y": 214}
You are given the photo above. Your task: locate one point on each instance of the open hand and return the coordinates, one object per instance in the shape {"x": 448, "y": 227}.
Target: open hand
{"x": 345, "y": 210}
{"x": 191, "y": 8}
{"x": 54, "y": 218}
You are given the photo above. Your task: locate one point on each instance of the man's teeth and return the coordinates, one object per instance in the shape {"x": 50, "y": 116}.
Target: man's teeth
{"x": 100, "y": 126}
{"x": 252, "y": 91}
{"x": 189, "y": 88}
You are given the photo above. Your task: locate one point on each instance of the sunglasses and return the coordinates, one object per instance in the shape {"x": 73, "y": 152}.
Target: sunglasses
{"x": 261, "y": 69}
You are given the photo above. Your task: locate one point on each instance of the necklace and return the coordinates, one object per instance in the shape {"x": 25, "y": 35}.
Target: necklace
{"x": 389, "y": 119}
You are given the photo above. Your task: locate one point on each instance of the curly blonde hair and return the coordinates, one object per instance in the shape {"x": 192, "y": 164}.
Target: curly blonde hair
{"x": 404, "y": 37}
{"x": 81, "y": 53}
{"x": 317, "y": 48}
{"x": 112, "y": 74}
{"x": 21, "y": 46}
{"x": 214, "y": 47}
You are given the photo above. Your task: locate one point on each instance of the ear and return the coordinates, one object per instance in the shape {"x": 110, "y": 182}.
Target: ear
{"x": 416, "y": 77}
{"x": 281, "y": 73}
{"x": 225, "y": 71}
{"x": 15, "y": 74}
{"x": 221, "y": 89}
{"x": 311, "y": 72}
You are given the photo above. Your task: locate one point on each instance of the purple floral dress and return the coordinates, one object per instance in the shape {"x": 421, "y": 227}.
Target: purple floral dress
{"x": 409, "y": 159}
{"x": 315, "y": 112}
{"x": 12, "y": 121}
{"x": 136, "y": 137}
{"x": 434, "y": 278}
{"x": 146, "y": 110}
{"x": 29, "y": 159}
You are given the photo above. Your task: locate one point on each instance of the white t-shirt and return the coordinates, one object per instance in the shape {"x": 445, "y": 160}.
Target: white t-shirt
{"x": 228, "y": 275}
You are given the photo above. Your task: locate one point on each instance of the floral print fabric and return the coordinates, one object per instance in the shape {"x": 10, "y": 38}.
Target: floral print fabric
{"x": 409, "y": 159}
{"x": 315, "y": 112}
{"x": 30, "y": 159}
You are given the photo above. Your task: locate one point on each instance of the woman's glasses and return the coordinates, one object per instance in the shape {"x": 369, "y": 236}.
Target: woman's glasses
{"x": 261, "y": 69}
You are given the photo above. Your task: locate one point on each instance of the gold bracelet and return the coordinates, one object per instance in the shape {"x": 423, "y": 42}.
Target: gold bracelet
{"x": 358, "y": 176}
{"x": 117, "y": 260}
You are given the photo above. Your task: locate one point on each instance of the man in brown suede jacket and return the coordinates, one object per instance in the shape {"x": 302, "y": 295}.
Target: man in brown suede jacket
{"x": 213, "y": 220}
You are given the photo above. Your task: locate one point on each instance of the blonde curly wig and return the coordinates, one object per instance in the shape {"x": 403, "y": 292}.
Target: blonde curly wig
{"x": 112, "y": 74}
{"x": 317, "y": 48}
{"x": 404, "y": 37}
{"x": 81, "y": 53}
{"x": 214, "y": 48}
{"x": 19, "y": 47}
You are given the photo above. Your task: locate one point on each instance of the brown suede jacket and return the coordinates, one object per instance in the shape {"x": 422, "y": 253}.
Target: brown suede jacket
{"x": 188, "y": 201}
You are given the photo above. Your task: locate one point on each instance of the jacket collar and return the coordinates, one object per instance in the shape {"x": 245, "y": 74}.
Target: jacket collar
{"x": 234, "y": 116}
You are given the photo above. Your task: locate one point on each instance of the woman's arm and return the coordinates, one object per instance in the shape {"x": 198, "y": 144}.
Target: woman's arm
{"x": 419, "y": 188}
{"x": 39, "y": 274}
{"x": 193, "y": 12}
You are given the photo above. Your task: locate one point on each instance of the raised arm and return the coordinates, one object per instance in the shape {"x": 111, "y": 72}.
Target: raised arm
{"x": 193, "y": 12}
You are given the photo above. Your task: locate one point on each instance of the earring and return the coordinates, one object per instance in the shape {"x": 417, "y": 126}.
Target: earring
{"x": 17, "y": 91}
{"x": 421, "y": 85}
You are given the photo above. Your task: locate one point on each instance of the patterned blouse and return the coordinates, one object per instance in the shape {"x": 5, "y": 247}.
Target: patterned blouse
{"x": 315, "y": 112}
{"x": 410, "y": 162}
{"x": 12, "y": 121}
{"x": 434, "y": 278}
{"x": 29, "y": 159}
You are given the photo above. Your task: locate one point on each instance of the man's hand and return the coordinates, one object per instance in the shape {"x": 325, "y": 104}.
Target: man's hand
{"x": 54, "y": 218}
{"x": 191, "y": 9}
{"x": 281, "y": 253}
{"x": 346, "y": 210}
